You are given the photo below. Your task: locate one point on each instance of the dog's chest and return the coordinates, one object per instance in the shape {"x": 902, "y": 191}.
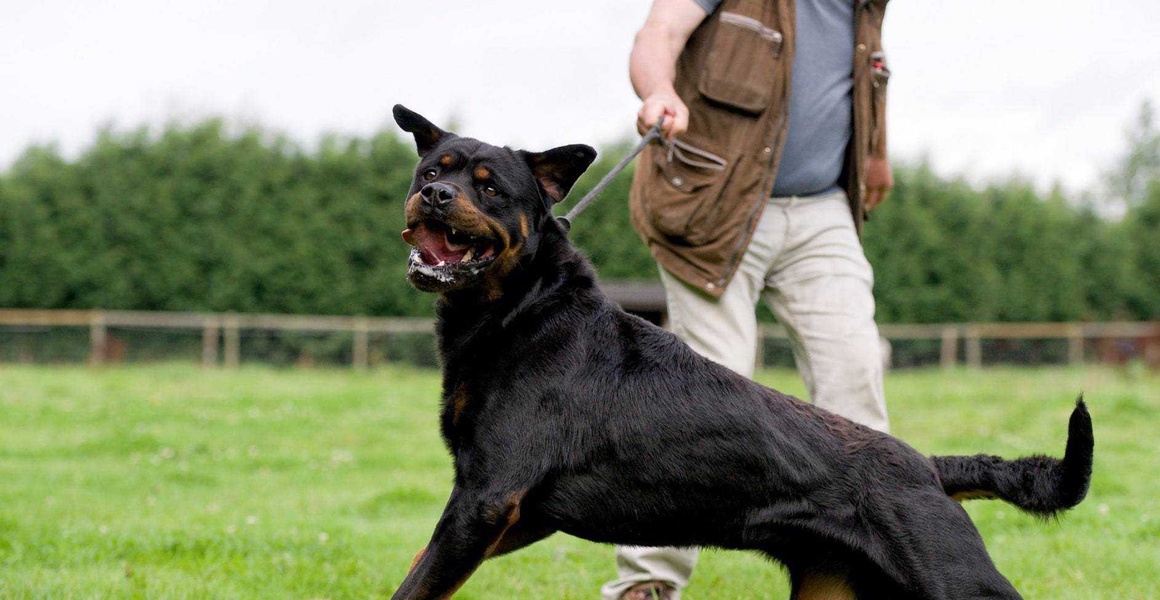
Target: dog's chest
{"x": 459, "y": 402}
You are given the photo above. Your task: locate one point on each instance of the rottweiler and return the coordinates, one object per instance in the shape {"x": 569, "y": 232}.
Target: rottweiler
{"x": 564, "y": 413}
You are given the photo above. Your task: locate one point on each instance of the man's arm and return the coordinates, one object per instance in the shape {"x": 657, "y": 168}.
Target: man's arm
{"x": 652, "y": 67}
{"x": 879, "y": 178}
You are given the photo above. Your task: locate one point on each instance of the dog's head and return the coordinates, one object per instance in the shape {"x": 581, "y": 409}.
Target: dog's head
{"x": 476, "y": 210}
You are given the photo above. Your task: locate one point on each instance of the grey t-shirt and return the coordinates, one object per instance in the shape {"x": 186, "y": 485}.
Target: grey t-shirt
{"x": 821, "y": 97}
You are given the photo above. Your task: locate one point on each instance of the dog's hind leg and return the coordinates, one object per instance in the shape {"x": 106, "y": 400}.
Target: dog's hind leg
{"x": 932, "y": 549}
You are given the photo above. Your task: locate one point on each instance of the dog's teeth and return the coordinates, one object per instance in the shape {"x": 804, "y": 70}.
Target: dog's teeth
{"x": 467, "y": 255}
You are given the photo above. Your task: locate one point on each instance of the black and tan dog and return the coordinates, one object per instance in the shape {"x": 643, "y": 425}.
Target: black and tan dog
{"x": 563, "y": 413}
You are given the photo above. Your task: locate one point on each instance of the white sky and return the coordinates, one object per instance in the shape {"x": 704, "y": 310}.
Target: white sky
{"x": 984, "y": 88}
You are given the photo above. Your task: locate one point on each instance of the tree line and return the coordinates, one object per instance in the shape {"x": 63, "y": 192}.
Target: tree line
{"x": 207, "y": 217}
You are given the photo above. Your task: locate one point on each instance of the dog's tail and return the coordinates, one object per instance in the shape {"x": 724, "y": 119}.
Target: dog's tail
{"x": 1036, "y": 484}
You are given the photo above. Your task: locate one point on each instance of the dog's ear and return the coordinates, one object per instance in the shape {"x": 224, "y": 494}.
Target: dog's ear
{"x": 557, "y": 169}
{"x": 426, "y": 134}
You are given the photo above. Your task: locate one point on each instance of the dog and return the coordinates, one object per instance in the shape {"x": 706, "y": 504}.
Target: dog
{"x": 564, "y": 413}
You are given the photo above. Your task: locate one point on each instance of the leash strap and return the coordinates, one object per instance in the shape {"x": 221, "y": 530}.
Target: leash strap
{"x": 651, "y": 135}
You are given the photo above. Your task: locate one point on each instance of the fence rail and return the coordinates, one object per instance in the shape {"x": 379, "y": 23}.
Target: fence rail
{"x": 217, "y": 329}
{"x": 972, "y": 335}
{"x": 221, "y": 333}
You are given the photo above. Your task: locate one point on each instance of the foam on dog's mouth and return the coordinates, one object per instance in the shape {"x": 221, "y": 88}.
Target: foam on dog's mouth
{"x": 440, "y": 245}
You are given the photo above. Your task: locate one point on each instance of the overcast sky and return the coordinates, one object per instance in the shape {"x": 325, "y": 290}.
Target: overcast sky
{"x": 984, "y": 88}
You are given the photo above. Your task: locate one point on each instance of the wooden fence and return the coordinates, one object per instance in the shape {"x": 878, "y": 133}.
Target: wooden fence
{"x": 1078, "y": 335}
{"x": 218, "y": 330}
{"x": 221, "y": 332}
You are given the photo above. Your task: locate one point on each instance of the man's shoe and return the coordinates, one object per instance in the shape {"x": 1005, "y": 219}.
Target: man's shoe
{"x": 649, "y": 590}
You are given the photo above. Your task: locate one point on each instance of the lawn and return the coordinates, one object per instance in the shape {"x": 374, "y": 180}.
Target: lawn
{"x": 174, "y": 482}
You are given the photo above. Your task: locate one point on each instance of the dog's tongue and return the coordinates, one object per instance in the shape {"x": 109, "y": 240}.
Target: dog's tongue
{"x": 434, "y": 245}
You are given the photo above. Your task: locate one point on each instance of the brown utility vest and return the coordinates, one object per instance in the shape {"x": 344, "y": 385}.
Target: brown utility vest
{"x": 697, "y": 201}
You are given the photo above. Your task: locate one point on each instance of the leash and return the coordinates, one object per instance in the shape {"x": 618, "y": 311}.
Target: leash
{"x": 650, "y": 136}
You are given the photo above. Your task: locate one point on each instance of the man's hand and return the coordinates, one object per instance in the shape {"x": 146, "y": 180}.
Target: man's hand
{"x": 879, "y": 180}
{"x": 666, "y": 104}
{"x": 652, "y": 65}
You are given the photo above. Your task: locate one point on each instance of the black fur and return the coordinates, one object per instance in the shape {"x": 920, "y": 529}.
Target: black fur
{"x": 564, "y": 413}
{"x": 1037, "y": 484}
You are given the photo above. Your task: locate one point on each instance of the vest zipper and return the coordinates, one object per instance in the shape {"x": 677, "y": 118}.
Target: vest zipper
{"x": 753, "y": 25}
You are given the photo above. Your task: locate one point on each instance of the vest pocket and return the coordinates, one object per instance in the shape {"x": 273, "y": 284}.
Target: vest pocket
{"x": 740, "y": 68}
{"x": 691, "y": 179}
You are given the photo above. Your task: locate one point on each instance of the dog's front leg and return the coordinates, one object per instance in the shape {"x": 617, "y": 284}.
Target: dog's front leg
{"x": 470, "y": 530}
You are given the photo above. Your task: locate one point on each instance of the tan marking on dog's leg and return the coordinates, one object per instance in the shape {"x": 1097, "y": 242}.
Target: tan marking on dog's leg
{"x": 510, "y": 514}
{"x": 973, "y": 495}
{"x": 507, "y": 516}
{"x": 418, "y": 557}
{"x": 510, "y": 517}
{"x": 823, "y": 587}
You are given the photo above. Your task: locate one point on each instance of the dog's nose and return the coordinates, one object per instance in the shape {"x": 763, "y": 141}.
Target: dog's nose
{"x": 437, "y": 194}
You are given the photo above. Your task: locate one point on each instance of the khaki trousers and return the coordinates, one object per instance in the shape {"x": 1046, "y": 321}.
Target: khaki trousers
{"x": 807, "y": 263}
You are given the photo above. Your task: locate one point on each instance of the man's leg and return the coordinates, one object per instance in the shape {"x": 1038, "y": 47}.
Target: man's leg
{"x": 723, "y": 330}
{"x": 639, "y": 564}
{"x": 821, "y": 290}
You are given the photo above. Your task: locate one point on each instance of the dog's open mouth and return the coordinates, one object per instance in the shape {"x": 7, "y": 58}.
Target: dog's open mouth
{"x": 442, "y": 255}
{"x": 441, "y": 245}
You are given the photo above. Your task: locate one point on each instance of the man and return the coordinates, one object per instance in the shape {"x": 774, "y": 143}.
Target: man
{"x": 774, "y": 117}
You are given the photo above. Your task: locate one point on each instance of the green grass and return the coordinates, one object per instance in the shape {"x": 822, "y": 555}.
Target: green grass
{"x": 173, "y": 482}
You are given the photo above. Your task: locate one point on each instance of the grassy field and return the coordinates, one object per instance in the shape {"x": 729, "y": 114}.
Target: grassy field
{"x": 174, "y": 482}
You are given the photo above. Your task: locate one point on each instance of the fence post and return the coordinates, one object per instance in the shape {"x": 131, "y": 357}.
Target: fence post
{"x": 974, "y": 347}
{"x": 98, "y": 337}
{"x": 361, "y": 350}
{"x": 209, "y": 342}
{"x": 949, "y": 350}
{"x": 232, "y": 341}
{"x": 1075, "y": 344}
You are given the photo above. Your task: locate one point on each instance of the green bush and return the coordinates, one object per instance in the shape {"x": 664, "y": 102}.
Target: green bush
{"x": 208, "y": 217}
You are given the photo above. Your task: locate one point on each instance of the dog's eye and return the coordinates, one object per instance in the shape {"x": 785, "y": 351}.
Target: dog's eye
{"x": 490, "y": 191}
{"x": 429, "y": 174}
